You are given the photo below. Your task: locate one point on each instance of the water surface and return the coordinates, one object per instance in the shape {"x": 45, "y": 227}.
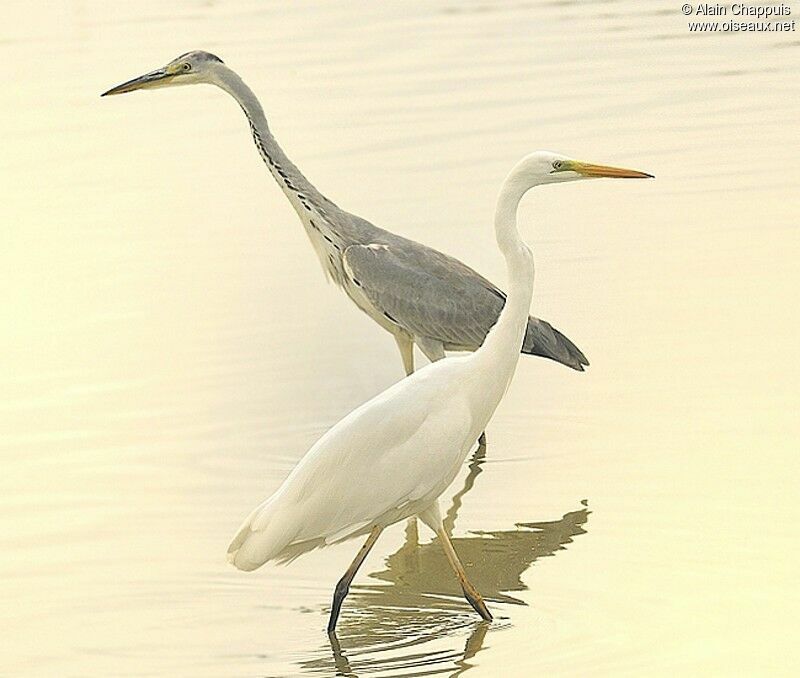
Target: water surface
{"x": 170, "y": 347}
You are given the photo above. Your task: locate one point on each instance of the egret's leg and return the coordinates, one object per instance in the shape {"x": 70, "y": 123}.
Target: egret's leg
{"x": 433, "y": 519}
{"x": 470, "y": 592}
{"x": 406, "y": 345}
{"x": 343, "y": 586}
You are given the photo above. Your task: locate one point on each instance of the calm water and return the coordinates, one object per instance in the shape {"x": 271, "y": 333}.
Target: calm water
{"x": 170, "y": 347}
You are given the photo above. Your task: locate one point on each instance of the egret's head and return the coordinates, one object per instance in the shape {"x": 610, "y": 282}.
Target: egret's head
{"x": 544, "y": 167}
{"x": 188, "y": 69}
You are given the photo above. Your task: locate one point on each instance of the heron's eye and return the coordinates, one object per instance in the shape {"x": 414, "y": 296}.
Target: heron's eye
{"x": 187, "y": 67}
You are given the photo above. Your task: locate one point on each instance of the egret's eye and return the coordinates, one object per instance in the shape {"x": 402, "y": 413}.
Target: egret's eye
{"x": 557, "y": 165}
{"x": 186, "y": 67}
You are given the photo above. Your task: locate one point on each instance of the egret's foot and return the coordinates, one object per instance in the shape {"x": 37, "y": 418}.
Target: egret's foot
{"x": 474, "y": 598}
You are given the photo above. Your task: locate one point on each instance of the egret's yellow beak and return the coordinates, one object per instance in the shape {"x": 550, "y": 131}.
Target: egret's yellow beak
{"x": 588, "y": 170}
{"x": 158, "y": 78}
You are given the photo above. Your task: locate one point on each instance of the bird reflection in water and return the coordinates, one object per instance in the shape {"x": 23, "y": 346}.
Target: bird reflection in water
{"x": 405, "y": 624}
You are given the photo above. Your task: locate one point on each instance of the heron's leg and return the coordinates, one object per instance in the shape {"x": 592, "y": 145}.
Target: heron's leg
{"x": 433, "y": 519}
{"x": 405, "y": 342}
{"x": 406, "y": 345}
{"x": 343, "y": 586}
{"x": 434, "y": 350}
{"x": 412, "y": 533}
{"x": 409, "y": 551}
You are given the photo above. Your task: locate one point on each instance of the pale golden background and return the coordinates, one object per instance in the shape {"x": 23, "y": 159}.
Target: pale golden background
{"x": 170, "y": 347}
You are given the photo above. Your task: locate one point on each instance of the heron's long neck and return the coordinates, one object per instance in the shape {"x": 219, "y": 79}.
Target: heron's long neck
{"x": 301, "y": 193}
{"x": 502, "y": 345}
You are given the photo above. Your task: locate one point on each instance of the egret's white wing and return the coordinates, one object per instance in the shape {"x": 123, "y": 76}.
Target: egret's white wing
{"x": 382, "y": 459}
{"x": 385, "y": 461}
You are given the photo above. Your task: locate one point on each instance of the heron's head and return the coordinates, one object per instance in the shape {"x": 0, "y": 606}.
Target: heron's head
{"x": 188, "y": 69}
{"x": 545, "y": 167}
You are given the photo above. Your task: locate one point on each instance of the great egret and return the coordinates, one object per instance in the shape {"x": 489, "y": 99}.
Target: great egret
{"x": 392, "y": 457}
{"x": 417, "y": 294}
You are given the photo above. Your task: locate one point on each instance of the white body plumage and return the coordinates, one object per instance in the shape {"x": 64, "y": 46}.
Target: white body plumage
{"x": 389, "y": 459}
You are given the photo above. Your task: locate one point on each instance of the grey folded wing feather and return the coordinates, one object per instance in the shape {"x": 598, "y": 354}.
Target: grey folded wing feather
{"x": 430, "y": 294}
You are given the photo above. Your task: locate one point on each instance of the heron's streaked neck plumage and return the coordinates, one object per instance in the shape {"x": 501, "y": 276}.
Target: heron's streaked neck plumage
{"x": 501, "y": 348}
{"x": 298, "y": 189}
{"x": 330, "y": 233}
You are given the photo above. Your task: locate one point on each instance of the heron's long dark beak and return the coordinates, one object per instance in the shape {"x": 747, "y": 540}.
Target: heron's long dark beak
{"x": 588, "y": 170}
{"x": 151, "y": 80}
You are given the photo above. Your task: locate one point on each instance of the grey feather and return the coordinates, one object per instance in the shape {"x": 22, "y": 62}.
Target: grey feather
{"x": 431, "y": 294}
{"x": 546, "y": 341}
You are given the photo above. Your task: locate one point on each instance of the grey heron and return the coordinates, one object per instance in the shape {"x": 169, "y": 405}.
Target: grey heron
{"x": 418, "y": 294}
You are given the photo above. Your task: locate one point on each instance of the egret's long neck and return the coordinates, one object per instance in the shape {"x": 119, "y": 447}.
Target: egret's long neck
{"x": 300, "y": 191}
{"x": 502, "y": 345}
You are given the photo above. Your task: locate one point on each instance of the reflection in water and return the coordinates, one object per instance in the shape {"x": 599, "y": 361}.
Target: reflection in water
{"x": 385, "y": 626}
{"x": 413, "y": 664}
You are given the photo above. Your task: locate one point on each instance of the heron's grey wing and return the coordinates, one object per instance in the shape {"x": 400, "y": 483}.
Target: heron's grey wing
{"x": 430, "y": 294}
{"x": 424, "y": 292}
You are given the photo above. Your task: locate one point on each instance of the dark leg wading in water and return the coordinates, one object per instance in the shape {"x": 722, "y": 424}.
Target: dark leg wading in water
{"x": 343, "y": 586}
